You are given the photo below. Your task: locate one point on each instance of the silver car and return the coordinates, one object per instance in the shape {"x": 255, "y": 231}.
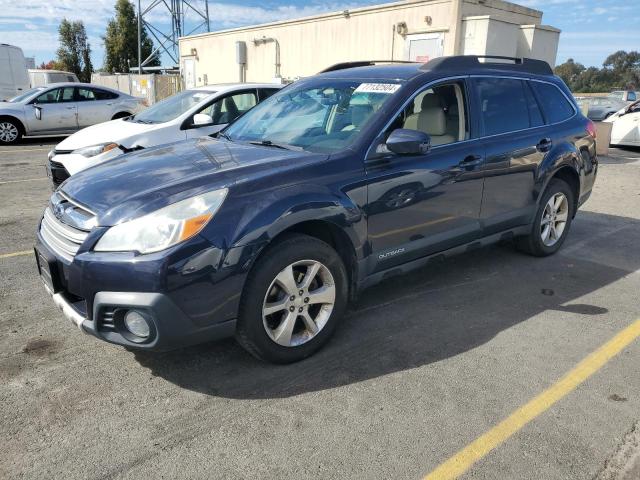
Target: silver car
{"x": 62, "y": 108}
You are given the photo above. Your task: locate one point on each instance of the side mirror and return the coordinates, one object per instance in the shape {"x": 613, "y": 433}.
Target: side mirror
{"x": 37, "y": 111}
{"x": 403, "y": 141}
{"x": 202, "y": 119}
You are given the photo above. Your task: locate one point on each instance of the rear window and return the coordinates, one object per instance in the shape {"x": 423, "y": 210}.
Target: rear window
{"x": 503, "y": 105}
{"x": 555, "y": 106}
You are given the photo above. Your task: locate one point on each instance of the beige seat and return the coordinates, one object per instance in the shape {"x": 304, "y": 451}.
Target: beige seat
{"x": 433, "y": 122}
{"x": 430, "y": 100}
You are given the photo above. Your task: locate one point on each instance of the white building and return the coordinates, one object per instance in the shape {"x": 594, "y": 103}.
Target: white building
{"x": 416, "y": 30}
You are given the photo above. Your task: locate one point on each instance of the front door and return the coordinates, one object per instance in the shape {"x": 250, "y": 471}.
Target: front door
{"x": 189, "y": 72}
{"x": 423, "y": 47}
{"x": 57, "y": 112}
{"x": 422, "y": 204}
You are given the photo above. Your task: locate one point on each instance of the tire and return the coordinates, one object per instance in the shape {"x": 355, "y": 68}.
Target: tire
{"x": 539, "y": 244}
{"x": 283, "y": 334}
{"x": 10, "y": 131}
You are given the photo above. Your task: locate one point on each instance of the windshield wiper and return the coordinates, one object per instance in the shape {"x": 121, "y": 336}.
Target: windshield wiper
{"x": 224, "y": 135}
{"x": 269, "y": 143}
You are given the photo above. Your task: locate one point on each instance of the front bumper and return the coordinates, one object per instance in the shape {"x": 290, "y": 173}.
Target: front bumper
{"x": 190, "y": 294}
{"x": 170, "y": 328}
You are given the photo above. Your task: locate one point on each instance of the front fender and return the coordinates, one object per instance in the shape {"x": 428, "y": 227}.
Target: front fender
{"x": 287, "y": 207}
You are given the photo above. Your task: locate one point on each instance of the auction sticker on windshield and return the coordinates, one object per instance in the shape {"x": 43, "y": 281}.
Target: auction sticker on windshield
{"x": 388, "y": 88}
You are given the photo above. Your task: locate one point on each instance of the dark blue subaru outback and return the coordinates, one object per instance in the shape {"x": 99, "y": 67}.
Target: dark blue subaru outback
{"x": 334, "y": 183}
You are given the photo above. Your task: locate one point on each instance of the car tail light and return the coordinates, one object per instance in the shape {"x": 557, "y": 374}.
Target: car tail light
{"x": 591, "y": 129}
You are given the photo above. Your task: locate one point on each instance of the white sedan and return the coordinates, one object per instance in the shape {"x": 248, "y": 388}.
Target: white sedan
{"x": 189, "y": 114}
{"x": 626, "y": 126}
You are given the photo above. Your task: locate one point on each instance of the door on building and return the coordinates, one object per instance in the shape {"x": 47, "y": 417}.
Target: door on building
{"x": 189, "y": 72}
{"x": 423, "y": 47}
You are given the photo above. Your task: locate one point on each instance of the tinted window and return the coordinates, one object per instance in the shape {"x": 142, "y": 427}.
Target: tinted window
{"x": 631, "y": 97}
{"x": 535, "y": 115}
{"x": 555, "y": 105}
{"x": 84, "y": 94}
{"x": 104, "y": 94}
{"x": 503, "y": 105}
{"x": 265, "y": 93}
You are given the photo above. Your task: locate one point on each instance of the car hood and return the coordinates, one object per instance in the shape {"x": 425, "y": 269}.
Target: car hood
{"x": 117, "y": 131}
{"x": 144, "y": 181}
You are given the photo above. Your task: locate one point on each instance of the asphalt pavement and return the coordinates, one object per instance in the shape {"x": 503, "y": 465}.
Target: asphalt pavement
{"x": 422, "y": 366}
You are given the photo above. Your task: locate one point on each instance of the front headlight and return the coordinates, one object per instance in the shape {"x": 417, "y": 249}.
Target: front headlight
{"x": 165, "y": 227}
{"x": 94, "y": 150}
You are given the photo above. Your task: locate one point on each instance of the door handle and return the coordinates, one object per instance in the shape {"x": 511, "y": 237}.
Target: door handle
{"x": 471, "y": 161}
{"x": 544, "y": 145}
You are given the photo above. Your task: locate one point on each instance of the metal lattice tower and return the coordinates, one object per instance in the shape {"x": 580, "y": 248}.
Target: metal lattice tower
{"x": 167, "y": 21}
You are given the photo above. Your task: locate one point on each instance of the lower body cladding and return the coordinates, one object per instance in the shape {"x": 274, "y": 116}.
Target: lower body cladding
{"x": 199, "y": 306}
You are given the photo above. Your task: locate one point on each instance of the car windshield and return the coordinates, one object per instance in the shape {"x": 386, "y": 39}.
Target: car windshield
{"x": 317, "y": 116}
{"x": 172, "y": 107}
{"x": 25, "y": 95}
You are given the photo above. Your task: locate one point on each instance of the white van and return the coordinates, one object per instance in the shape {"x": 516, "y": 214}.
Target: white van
{"x": 14, "y": 79}
{"x": 42, "y": 78}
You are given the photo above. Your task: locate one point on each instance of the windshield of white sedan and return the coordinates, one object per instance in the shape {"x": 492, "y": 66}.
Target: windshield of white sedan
{"x": 322, "y": 118}
{"x": 172, "y": 107}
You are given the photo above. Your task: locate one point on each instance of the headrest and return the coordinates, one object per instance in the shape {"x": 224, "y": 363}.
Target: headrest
{"x": 430, "y": 100}
{"x": 432, "y": 121}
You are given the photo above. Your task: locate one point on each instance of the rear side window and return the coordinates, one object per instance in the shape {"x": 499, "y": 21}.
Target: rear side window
{"x": 535, "y": 115}
{"x": 503, "y": 104}
{"x": 104, "y": 94}
{"x": 555, "y": 106}
{"x": 265, "y": 93}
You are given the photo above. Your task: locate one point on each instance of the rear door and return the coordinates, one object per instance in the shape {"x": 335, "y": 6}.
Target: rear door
{"x": 516, "y": 141}
{"x": 94, "y": 106}
{"x": 58, "y": 112}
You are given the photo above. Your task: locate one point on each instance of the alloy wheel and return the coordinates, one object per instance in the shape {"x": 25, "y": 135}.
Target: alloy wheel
{"x": 554, "y": 219}
{"x": 298, "y": 303}
{"x": 8, "y": 132}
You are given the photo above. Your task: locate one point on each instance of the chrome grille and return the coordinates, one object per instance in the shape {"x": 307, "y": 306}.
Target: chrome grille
{"x": 66, "y": 231}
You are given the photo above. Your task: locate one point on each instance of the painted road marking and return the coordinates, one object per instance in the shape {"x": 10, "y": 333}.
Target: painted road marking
{"x": 16, "y": 254}
{"x": 25, "y": 180}
{"x": 483, "y": 445}
{"x": 26, "y": 150}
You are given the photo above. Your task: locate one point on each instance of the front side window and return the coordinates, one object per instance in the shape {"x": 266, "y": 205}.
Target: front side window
{"x": 317, "y": 116}
{"x": 503, "y": 105}
{"x": 555, "y": 106}
{"x": 57, "y": 95}
{"x": 227, "y": 109}
{"x": 172, "y": 107}
{"x": 440, "y": 112}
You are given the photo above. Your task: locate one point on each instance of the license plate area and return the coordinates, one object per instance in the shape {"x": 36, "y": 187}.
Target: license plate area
{"x": 48, "y": 270}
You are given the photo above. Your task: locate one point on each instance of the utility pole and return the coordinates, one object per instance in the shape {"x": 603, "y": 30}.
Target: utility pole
{"x": 139, "y": 39}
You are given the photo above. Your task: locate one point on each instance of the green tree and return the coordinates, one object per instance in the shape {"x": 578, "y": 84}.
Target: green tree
{"x": 569, "y": 72}
{"x": 619, "y": 70}
{"x": 74, "y": 52}
{"x": 121, "y": 40}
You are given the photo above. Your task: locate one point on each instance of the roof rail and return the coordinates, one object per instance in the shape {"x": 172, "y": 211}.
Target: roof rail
{"x": 359, "y": 63}
{"x": 519, "y": 64}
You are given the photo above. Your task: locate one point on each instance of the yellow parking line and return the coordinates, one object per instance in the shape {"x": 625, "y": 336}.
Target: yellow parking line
{"x": 479, "y": 448}
{"x": 25, "y": 180}
{"x": 16, "y": 254}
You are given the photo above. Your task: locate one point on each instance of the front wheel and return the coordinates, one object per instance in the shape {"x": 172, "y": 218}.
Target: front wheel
{"x": 9, "y": 132}
{"x": 294, "y": 297}
{"x": 552, "y": 221}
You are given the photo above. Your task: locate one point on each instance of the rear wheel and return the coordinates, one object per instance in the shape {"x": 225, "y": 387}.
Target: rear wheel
{"x": 552, "y": 221}
{"x": 9, "y": 131}
{"x": 294, "y": 297}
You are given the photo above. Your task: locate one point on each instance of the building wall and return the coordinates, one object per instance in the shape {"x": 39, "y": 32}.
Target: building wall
{"x": 311, "y": 44}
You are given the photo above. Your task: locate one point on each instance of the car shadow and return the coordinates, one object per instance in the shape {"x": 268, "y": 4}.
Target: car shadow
{"x": 41, "y": 141}
{"x": 435, "y": 313}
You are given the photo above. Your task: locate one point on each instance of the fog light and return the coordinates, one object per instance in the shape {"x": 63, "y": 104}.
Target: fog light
{"x": 136, "y": 324}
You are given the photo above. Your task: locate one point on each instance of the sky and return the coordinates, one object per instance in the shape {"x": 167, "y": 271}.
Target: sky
{"x": 590, "y": 29}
